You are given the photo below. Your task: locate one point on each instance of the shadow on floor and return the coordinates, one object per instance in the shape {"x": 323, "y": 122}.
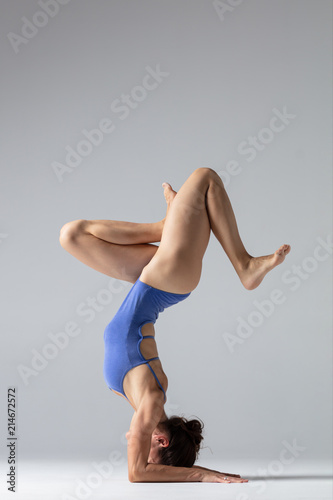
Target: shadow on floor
{"x": 278, "y": 477}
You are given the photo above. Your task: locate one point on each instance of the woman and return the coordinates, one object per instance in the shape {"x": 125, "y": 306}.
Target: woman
{"x": 161, "y": 449}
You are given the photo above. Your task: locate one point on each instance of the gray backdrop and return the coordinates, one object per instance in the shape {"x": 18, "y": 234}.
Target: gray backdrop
{"x": 243, "y": 87}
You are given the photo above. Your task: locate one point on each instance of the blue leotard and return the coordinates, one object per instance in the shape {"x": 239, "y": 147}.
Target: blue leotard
{"x": 122, "y": 336}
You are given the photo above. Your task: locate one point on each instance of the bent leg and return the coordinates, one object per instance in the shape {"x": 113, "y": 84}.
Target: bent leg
{"x": 200, "y": 205}
{"x": 176, "y": 266}
{"x": 115, "y": 248}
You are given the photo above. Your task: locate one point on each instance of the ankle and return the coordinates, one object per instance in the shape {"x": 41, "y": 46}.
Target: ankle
{"x": 243, "y": 262}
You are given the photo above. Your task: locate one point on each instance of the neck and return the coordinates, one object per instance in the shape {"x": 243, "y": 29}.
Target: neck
{"x": 163, "y": 417}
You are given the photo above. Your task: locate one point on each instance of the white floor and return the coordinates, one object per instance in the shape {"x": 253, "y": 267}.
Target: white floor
{"x": 81, "y": 480}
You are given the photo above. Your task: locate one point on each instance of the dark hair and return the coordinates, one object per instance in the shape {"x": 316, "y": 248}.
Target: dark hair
{"x": 184, "y": 437}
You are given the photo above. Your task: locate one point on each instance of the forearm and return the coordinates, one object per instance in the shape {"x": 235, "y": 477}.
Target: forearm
{"x": 166, "y": 473}
{"x": 203, "y": 468}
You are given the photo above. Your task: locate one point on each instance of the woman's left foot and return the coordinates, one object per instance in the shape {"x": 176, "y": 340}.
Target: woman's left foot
{"x": 169, "y": 195}
{"x": 257, "y": 267}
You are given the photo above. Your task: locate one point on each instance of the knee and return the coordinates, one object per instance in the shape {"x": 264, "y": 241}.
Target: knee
{"x": 210, "y": 173}
{"x": 70, "y": 231}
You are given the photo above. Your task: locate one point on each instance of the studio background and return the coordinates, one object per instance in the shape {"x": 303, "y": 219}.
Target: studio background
{"x": 221, "y": 78}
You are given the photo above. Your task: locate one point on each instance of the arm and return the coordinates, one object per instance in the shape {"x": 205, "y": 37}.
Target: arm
{"x": 217, "y": 472}
{"x": 166, "y": 473}
{"x": 144, "y": 422}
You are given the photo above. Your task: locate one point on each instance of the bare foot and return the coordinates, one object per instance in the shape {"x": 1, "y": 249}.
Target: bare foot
{"x": 169, "y": 195}
{"x": 258, "y": 267}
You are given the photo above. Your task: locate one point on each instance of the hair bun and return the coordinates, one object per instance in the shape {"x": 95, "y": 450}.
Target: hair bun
{"x": 194, "y": 429}
{"x": 185, "y": 437}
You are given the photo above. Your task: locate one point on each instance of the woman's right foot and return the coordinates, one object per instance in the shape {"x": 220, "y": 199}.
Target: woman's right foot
{"x": 257, "y": 267}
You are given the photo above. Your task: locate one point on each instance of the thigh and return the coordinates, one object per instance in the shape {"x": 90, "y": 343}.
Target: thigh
{"x": 176, "y": 266}
{"x": 123, "y": 262}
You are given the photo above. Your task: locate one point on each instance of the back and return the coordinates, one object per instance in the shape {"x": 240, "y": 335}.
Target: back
{"x": 122, "y": 336}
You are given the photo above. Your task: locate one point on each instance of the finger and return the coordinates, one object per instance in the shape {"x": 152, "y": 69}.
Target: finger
{"x": 236, "y": 480}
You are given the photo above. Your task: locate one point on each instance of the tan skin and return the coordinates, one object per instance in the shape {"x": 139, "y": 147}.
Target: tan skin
{"x": 126, "y": 251}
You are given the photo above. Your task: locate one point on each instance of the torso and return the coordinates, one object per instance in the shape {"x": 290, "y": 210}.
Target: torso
{"x": 140, "y": 379}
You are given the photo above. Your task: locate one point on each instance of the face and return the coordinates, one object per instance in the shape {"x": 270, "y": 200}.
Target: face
{"x": 158, "y": 441}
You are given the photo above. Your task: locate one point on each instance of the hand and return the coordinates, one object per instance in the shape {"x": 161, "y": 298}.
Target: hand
{"x": 213, "y": 476}
{"x": 227, "y": 474}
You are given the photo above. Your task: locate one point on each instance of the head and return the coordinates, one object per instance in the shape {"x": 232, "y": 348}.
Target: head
{"x": 176, "y": 441}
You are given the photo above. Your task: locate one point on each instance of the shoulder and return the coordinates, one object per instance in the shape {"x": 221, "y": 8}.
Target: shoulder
{"x": 148, "y": 412}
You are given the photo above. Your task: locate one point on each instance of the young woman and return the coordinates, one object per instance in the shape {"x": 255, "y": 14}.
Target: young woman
{"x": 161, "y": 448}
